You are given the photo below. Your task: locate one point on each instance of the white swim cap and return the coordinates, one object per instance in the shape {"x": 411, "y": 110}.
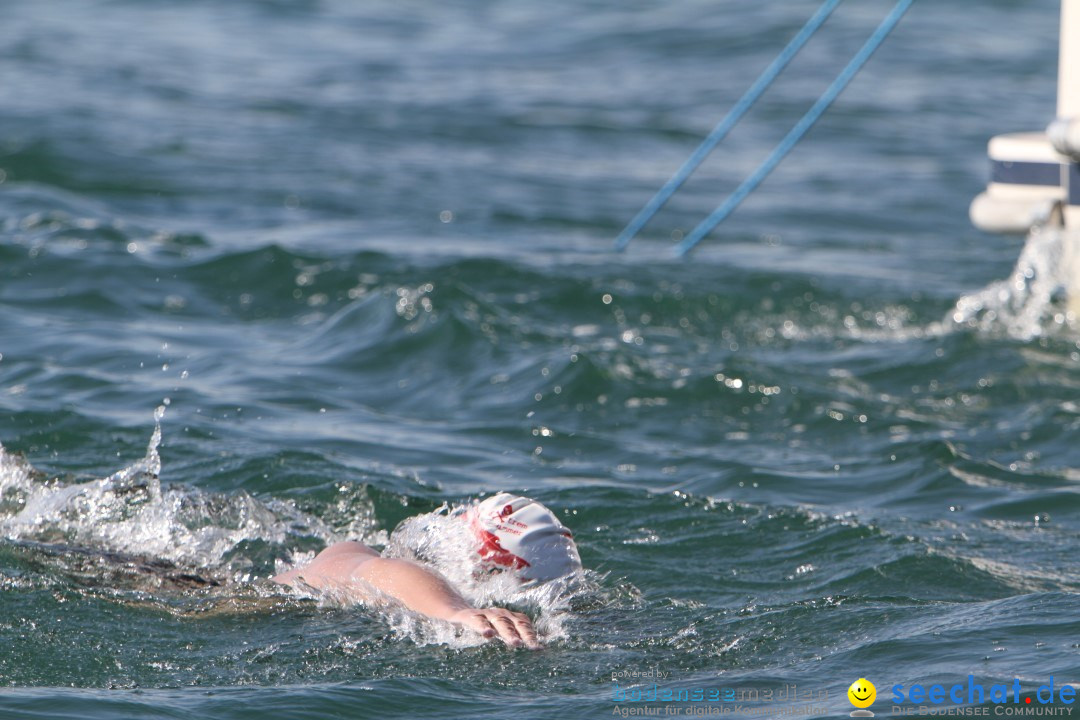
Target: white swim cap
{"x": 519, "y": 534}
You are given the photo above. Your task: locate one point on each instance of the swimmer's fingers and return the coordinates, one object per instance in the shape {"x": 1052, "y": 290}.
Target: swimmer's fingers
{"x": 475, "y": 620}
{"x": 508, "y": 631}
{"x": 514, "y": 629}
{"x": 525, "y": 629}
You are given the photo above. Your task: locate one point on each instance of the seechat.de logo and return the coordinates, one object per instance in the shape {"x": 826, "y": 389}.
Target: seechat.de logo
{"x": 974, "y": 693}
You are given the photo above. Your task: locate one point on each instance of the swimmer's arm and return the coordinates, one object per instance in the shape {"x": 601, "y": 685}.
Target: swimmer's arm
{"x": 355, "y": 568}
{"x": 427, "y": 593}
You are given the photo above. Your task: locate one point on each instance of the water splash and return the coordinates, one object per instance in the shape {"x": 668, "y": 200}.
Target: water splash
{"x": 130, "y": 512}
{"x": 1040, "y": 297}
{"x": 441, "y": 540}
{"x": 1031, "y": 301}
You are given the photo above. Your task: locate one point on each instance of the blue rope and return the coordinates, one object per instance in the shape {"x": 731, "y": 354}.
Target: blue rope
{"x": 724, "y": 126}
{"x": 797, "y": 132}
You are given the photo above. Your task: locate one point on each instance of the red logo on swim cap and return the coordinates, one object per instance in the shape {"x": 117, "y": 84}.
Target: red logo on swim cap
{"x": 493, "y": 551}
{"x": 507, "y": 510}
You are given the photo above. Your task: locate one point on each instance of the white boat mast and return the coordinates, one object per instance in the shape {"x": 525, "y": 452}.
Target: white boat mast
{"x": 1068, "y": 105}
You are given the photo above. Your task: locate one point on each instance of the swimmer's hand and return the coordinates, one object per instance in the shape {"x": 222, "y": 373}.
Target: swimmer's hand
{"x": 514, "y": 629}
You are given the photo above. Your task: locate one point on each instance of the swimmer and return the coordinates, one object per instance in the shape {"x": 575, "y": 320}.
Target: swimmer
{"x": 513, "y": 534}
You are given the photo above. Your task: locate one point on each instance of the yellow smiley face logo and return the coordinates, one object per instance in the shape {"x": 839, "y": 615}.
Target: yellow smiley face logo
{"x": 862, "y": 693}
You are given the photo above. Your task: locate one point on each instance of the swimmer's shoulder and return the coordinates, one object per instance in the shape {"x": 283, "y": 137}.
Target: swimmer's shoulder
{"x": 333, "y": 565}
{"x": 348, "y": 547}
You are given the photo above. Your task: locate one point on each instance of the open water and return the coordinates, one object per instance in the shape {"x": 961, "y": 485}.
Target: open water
{"x": 359, "y": 255}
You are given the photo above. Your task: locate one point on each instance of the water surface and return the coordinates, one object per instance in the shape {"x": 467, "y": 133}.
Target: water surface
{"x": 363, "y": 252}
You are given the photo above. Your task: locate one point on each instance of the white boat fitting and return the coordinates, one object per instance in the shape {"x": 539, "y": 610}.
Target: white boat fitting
{"x": 1031, "y": 171}
{"x": 1035, "y": 176}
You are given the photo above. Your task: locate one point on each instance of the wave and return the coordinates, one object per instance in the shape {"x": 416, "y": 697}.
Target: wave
{"x": 131, "y": 512}
{"x": 127, "y": 531}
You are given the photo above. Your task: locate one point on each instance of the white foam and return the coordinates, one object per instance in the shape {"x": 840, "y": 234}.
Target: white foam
{"x": 1030, "y": 302}
{"x": 129, "y": 511}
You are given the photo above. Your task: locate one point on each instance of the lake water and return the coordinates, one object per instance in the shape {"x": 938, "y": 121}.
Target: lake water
{"x": 360, "y": 255}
